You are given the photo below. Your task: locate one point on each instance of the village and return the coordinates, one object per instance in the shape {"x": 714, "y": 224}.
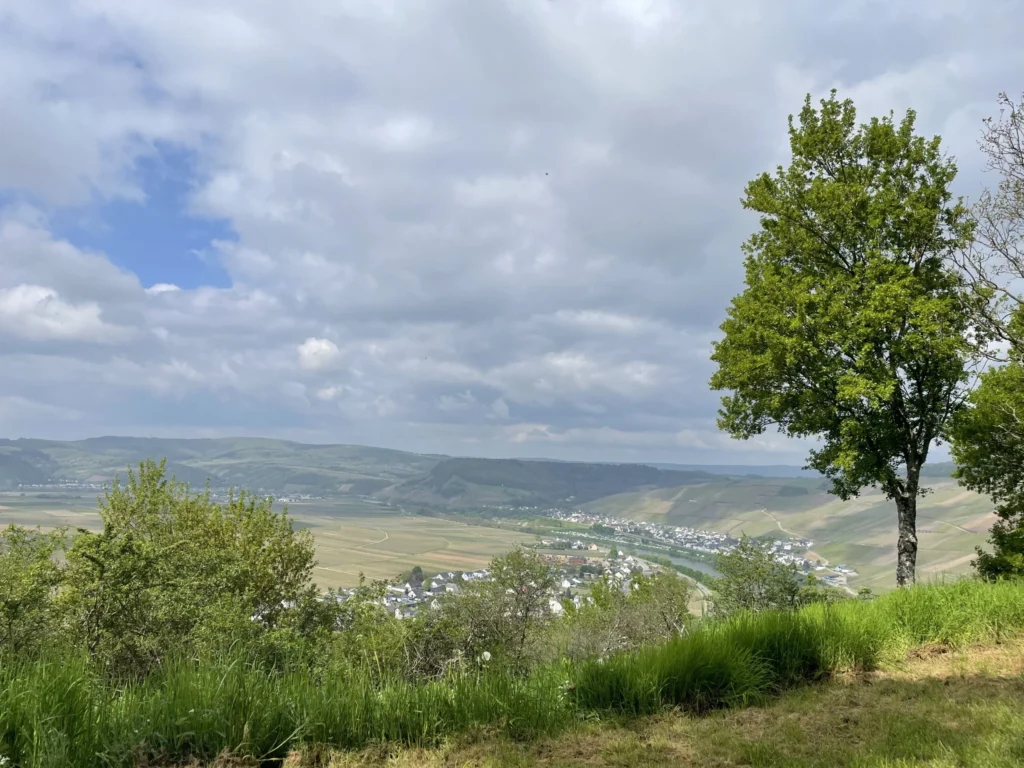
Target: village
{"x": 573, "y": 577}
{"x": 694, "y": 541}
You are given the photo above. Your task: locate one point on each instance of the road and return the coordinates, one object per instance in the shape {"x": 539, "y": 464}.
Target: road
{"x": 823, "y": 561}
{"x": 776, "y": 521}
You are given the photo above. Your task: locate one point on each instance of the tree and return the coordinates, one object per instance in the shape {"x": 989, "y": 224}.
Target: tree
{"x": 994, "y": 261}
{"x": 988, "y": 437}
{"x": 853, "y": 328}
{"x": 498, "y": 616}
{"x": 752, "y": 580}
{"x": 522, "y": 582}
{"x": 988, "y": 447}
{"x": 172, "y": 568}
{"x": 661, "y": 604}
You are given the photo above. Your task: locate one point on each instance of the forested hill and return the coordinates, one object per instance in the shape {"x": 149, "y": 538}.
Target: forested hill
{"x": 513, "y": 481}
{"x": 251, "y": 463}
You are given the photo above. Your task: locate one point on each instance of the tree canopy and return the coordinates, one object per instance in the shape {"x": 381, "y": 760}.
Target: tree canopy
{"x": 174, "y": 569}
{"x": 852, "y": 329}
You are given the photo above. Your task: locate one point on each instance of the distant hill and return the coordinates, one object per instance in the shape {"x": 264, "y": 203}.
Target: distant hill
{"x": 941, "y": 469}
{"x": 469, "y": 482}
{"x": 745, "y": 470}
{"x": 290, "y": 467}
{"x": 252, "y": 463}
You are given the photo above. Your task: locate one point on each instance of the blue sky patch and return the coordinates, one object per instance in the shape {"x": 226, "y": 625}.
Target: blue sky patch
{"x": 156, "y": 238}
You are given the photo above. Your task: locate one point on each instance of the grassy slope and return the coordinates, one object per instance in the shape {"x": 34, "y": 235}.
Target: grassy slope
{"x": 860, "y": 532}
{"x": 938, "y": 709}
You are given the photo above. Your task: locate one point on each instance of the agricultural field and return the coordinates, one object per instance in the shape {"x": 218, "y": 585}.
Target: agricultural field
{"x": 353, "y": 536}
{"x": 49, "y": 511}
{"x": 386, "y": 543}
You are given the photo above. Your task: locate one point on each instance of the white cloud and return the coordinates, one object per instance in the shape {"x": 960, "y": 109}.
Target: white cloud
{"x": 159, "y": 288}
{"x": 318, "y": 354}
{"x": 37, "y": 313}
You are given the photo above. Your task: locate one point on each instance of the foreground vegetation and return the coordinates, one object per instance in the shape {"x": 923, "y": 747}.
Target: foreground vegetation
{"x": 938, "y": 709}
{"x": 66, "y": 712}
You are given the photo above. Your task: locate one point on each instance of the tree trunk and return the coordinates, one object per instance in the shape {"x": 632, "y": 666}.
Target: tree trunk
{"x": 906, "y": 547}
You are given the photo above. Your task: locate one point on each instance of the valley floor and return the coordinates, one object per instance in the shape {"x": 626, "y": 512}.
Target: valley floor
{"x": 938, "y": 709}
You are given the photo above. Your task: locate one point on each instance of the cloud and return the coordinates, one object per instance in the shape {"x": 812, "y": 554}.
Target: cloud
{"x": 506, "y": 224}
{"x": 159, "y": 288}
{"x": 499, "y": 409}
{"x": 37, "y": 313}
{"x": 318, "y": 354}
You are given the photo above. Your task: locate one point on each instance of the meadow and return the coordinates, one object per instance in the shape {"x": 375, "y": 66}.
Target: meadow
{"x": 352, "y": 536}
{"x": 61, "y": 712}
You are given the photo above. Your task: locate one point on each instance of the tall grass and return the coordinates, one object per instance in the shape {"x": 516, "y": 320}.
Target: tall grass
{"x": 59, "y": 712}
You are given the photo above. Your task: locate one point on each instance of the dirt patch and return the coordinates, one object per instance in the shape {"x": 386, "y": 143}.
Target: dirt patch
{"x": 940, "y": 662}
{"x": 927, "y": 652}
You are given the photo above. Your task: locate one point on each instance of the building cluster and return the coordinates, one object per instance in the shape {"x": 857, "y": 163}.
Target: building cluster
{"x": 577, "y": 544}
{"x": 572, "y": 573}
{"x": 680, "y": 537}
{"x": 61, "y": 485}
{"x": 406, "y": 599}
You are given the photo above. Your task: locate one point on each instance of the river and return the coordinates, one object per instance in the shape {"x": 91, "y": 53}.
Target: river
{"x": 697, "y": 565}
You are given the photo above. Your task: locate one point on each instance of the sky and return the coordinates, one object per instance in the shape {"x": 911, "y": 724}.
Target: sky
{"x": 473, "y": 227}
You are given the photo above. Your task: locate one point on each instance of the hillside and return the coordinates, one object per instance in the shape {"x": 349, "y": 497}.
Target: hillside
{"x": 491, "y": 482}
{"x": 860, "y": 532}
{"x": 253, "y": 463}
